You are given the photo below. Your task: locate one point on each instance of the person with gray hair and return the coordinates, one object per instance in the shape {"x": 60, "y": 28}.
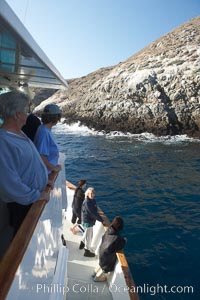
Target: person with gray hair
{"x": 23, "y": 174}
{"x": 89, "y": 216}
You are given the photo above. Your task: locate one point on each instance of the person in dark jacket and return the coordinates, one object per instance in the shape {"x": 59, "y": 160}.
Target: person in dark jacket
{"x": 79, "y": 197}
{"x": 31, "y": 126}
{"x": 111, "y": 242}
{"x": 89, "y": 216}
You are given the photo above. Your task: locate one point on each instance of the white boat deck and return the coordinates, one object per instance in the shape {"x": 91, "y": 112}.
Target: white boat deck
{"x": 80, "y": 284}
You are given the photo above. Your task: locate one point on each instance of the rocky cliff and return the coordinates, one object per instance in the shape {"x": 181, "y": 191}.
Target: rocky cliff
{"x": 156, "y": 90}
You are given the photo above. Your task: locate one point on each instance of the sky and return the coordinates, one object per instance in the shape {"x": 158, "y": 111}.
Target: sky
{"x": 82, "y": 36}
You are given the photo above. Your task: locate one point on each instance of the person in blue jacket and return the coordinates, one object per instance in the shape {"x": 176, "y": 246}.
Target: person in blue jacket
{"x": 23, "y": 175}
{"x": 44, "y": 139}
{"x": 89, "y": 215}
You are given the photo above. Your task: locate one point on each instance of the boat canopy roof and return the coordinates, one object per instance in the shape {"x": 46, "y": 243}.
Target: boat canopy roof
{"x": 22, "y": 62}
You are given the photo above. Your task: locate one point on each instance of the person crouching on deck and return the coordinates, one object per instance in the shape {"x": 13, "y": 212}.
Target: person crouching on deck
{"x": 23, "y": 174}
{"x": 89, "y": 217}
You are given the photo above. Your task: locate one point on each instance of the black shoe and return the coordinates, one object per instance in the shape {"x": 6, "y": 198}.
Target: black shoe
{"x": 63, "y": 240}
{"x": 81, "y": 246}
{"x": 88, "y": 253}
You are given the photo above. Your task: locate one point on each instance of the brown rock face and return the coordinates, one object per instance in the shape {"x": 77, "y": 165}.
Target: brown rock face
{"x": 157, "y": 90}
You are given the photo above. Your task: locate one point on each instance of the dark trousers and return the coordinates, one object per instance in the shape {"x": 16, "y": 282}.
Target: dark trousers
{"x": 75, "y": 216}
{"x": 17, "y": 214}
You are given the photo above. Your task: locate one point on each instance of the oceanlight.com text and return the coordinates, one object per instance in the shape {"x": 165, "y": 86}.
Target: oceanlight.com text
{"x": 146, "y": 288}
{"x": 162, "y": 289}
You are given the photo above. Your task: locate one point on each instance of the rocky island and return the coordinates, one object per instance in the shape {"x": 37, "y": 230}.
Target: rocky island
{"x": 157, "y": 90}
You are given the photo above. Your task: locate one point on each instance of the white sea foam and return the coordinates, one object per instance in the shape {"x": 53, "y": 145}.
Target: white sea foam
{"x": 77, "y": 129}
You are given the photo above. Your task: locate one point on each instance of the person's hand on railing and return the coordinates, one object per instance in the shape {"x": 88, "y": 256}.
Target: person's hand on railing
{"x": 51, "y": 184}
{"x": 57, "y": 168}
{"x": 44, "y": 196}
{"x": 104, "y": 223}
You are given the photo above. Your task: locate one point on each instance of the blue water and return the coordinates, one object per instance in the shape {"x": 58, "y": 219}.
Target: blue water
{"x": 154, "y": 185}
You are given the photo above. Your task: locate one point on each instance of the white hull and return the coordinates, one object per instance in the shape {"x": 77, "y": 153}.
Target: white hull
{"x": 40, "y": 265}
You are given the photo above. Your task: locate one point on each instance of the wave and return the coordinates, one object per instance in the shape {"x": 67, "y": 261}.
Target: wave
{"x": 78, "y": 129}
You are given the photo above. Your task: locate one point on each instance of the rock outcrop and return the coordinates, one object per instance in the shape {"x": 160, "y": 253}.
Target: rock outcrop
{"x": 157, "y": 90}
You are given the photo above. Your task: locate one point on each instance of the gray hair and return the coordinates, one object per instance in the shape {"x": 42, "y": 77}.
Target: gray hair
{"x": 89, "y": 192}
{"x": 12, "y": 102}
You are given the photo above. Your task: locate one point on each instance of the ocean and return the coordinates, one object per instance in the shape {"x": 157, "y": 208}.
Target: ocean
{"x": 153, "y": 183}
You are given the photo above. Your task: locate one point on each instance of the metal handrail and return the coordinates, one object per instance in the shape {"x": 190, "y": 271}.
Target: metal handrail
{"x": 130, "y": 284}
{"x": 16, "y": 250}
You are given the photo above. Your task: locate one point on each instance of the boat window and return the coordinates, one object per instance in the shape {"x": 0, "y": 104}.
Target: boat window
{"x": 7, "y": 51}
{"x": 7, "y": 41}
{"x": 20, "y": 65}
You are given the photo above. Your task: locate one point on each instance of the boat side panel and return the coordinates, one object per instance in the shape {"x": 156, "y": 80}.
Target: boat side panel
{"x": 36, "y": 273}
